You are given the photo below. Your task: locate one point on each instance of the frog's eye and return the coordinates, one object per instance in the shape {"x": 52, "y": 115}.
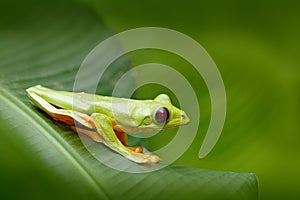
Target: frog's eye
{"x": 161, "y": 115}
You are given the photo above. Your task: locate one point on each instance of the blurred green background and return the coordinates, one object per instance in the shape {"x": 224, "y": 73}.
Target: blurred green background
{"x": 256, "y": 46}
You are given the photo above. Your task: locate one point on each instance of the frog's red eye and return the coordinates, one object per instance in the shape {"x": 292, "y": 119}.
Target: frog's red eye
{"x": 161, "y": 115}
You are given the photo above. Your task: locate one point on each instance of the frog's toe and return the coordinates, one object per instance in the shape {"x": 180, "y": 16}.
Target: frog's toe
{"x": 154, "y": 158}
{"x": 137, "y": 149}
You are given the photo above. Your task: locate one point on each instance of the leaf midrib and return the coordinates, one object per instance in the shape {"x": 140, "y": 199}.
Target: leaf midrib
{"x": 51, "y": 136}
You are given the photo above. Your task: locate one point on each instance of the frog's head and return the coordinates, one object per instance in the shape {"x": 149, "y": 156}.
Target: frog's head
{"x": 149, "y": 115}
{"x": 168, "y": 115}
{"x": 163, "y": 115}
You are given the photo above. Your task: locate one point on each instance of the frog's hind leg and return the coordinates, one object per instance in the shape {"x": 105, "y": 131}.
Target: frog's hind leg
{"x": 69, "y": 117}
{"x": 90, "y": 133}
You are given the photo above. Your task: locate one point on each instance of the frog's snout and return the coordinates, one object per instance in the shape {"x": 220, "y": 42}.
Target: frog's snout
{"x": 184, "y": 118}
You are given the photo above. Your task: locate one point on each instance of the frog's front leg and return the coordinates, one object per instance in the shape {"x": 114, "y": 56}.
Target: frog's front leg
{"x": 104, "y": 127}
{"x": 95, "y": 136}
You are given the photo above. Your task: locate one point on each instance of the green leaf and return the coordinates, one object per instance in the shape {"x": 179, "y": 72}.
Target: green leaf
{"x": 44, "y": 43}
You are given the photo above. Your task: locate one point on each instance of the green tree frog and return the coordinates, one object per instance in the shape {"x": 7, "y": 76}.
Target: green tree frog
{"x": 108, "y": 119}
